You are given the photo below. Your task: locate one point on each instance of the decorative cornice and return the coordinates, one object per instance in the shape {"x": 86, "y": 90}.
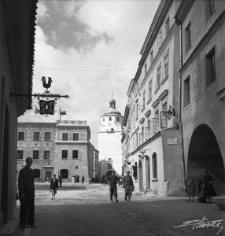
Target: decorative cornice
{"x": 142, "y": 120}
{"x": 221, "y": 95}
{"x": 155, "y": 103}
{"x": 148, "y": 113}
{"x": 163, "y": 94}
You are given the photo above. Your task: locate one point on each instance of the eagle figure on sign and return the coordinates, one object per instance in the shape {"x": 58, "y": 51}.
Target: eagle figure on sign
{"x": 46, "y": 85}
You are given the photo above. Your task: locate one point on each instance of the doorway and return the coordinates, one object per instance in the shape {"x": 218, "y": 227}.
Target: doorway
{"x": 147, "y": 165}
{"x": 140, "y": 175}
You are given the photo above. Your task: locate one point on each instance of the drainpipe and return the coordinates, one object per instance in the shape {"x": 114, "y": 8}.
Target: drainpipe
{"x": 179, "y": 101}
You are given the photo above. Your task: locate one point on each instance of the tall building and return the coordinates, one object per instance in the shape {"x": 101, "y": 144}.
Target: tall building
{"x": 17, "y": 29}
{"x": 152, "y": 144}
{"x": 109, "y": 145}
{"x": 202, "y": 27}
{"x": 57, "y": 144}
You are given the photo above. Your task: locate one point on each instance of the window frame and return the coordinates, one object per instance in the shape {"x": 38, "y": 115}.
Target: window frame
{"x": 18, "y": 154}
{"x": 210, "y": 62}
{"x": 46, "y": 139}
{"x": 187, "y": 91}
{"x": 64, "y": 152}
{"x": 188, "y": 37}
{"x": 34, "y": 136}
{"x": 65, "y": 135}
{"x": 77, "y": 138}
{"x": 23, "y": 136}
{"x": 47, "y": 155}
{"x": 73, "y": 154}
{"x": 34, "y": 155}
{"x": 154, "y": 166}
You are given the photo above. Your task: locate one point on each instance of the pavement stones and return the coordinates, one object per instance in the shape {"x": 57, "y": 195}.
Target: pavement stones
{"x": 85, "y": 210}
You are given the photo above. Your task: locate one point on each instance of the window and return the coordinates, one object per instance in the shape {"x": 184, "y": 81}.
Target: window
{"x": 163, "y": 118}
{"x": 103, "y": 119}
{"x": 158, "y": 79}
{"x": 147, "y": 130}
{"x": 151, "y": 56}
{"x": 166, "y": 65}
{"x": 112, "y": 130}
{"x": 36, "y": 136}
{"x": 159, "y": 39}
{"x": 21, "y": 136}
{"x": 47, "y": 136}
{"x": 146, "y": 69}
{"x": 143, "y": 99}
{"x": 210, "y": 8}
{"x": 75, "y": 154}
{"x": 137, "y": 110}
{"x": 65, "y": 136}
{"x": 210, "y": 67}
{"x": 187, "y": 91}
{"x": 64, "y": 154}
{"x": 150, "y": 90}
{"x": 167, "y": 25}
{"x": 46, "y": 154}
{"x": 35, "y": 154}
{"x": 188, "y": 37}
{"x": 75, "y": 136}
{"x": 118, "y": 119}
{"x": 143, "y": 133}
{"x": 110, "y": 118}
{"x": 19, "y": 154}
{"x": 154, "y": 165}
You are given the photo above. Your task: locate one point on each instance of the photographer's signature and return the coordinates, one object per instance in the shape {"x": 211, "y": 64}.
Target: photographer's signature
{"x": 203, "y": 223}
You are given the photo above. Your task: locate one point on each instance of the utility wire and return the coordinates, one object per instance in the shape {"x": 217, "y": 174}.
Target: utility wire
{"x": 87, "y": 70}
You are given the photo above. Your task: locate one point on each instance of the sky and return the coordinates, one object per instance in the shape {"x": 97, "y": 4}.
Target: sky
{"x": 91, "y": 50}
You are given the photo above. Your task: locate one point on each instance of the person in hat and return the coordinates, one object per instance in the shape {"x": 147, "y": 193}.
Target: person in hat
{"x": 26, "y": 195}
{"x": 208, "y": 186}
{"x": 113, "y": 180}
{"x": 128, "y": 185}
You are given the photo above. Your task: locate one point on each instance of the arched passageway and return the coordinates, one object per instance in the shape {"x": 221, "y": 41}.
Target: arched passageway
{"x": 204, "y": 153}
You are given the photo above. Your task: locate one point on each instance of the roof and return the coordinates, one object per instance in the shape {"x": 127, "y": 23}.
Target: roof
{"x": 33, "y": 116}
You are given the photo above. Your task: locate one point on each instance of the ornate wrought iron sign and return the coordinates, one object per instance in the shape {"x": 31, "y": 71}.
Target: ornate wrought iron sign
{"x": 46, "y": 106}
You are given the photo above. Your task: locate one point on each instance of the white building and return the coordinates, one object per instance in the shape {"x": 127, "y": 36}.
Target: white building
{"x": 109, "y": 141}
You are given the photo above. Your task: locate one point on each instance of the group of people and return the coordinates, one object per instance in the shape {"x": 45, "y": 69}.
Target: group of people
{"x": 127, "y": 182}
{"x": 205, "y": 188}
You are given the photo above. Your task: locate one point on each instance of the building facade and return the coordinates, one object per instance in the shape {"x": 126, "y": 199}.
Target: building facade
{"x": 202, "y": 27}
{"x": 17, "y": 28}
{"x": 57, "y": 144}
{"x": 109, "y": 145}
{"x": 152, "y": 143}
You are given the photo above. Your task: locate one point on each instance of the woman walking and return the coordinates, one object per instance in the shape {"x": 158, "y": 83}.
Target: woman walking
{"x": 54, "y": 186}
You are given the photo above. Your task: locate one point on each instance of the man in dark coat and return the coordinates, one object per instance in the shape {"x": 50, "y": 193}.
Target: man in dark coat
{"x": 208, "y": 187}
{"x": 26, "y": 195}
{"x": 128, "y": 185}
{"x": 54, "y": 186}
{"x": 113, "y": 180}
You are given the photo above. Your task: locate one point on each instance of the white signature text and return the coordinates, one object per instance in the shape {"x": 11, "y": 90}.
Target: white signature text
{"x": 203, "y": 223}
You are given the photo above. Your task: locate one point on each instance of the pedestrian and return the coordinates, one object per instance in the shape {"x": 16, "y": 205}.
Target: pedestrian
{"x": 54, "y": 186}
{"x": 60, "y": 180}
{"x": 26, "y": 195}
{"x": 128, "y": 186}
{"x": 73, "y": 180}
{"x": 82, "y": 179}
{"x": 113, "y": 180}
{"x": 191, "y": 189}
{"x": 208, "y": 187}
{"x": 201, "y": 192}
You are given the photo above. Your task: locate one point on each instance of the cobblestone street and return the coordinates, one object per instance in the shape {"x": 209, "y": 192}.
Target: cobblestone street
{"x": 85, "y": 210}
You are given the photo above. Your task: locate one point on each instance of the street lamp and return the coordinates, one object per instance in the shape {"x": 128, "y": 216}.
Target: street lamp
{"x": 170, "y": 113}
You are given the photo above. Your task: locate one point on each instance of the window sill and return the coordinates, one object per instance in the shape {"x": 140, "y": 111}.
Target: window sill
{"x": 165, "y": 79}
{"x": 149, "y": 101}
{"x": 157, "y": 90}
{"x": 154, "y": 180}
